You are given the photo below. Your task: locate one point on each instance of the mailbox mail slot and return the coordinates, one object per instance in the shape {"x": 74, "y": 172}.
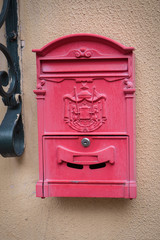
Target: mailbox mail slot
{"x": 86, "y": 126}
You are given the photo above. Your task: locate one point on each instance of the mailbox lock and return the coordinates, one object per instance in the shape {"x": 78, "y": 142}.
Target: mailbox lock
{"x": 85, "y": 142}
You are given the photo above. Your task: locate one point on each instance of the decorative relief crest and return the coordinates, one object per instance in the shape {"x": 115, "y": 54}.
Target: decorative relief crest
{"x": 85, "y": 111}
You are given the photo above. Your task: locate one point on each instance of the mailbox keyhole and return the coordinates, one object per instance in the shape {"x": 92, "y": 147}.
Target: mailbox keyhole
{"x": 85, "y": 142}
{"x": 72, "y": 165}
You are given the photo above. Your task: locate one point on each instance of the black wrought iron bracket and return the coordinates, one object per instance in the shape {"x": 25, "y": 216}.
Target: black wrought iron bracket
{"x": 11, "y": 128}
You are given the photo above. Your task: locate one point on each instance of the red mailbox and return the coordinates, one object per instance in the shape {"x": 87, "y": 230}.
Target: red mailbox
{"x": 86, "y": 125}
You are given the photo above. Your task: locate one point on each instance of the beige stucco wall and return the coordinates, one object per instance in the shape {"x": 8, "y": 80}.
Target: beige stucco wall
{"x": 22, "y": 215}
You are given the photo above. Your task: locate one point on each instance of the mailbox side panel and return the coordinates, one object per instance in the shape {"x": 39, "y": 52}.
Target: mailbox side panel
{"x": 40, "y": 96}
{"x": 131, "y": 128}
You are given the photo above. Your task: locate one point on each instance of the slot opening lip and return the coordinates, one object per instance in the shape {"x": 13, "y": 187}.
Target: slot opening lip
{"x": 81, "y": 161}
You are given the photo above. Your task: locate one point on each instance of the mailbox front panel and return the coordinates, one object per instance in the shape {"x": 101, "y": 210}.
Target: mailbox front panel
{"x": 105, "y": 159}
{"x": 86, "y": 127}
{"x": 95, "y": 106}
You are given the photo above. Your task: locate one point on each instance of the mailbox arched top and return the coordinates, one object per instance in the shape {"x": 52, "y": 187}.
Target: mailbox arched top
{"x": 73, "y": 38}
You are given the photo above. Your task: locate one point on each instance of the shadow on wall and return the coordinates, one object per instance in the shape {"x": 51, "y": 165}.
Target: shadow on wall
{"x": 98, "y": 204}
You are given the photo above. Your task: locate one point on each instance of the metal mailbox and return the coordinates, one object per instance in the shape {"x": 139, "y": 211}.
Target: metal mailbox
{"x": 86, "y": 126}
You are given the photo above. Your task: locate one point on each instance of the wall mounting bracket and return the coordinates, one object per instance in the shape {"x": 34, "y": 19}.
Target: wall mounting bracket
{"x": 11, "y": 128}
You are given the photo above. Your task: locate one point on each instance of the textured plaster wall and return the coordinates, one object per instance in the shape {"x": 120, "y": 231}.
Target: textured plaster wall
{"x": 22, "y": 215}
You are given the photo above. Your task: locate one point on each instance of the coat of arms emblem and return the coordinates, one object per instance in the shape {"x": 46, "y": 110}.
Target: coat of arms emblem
{"x": 85, "y": 111}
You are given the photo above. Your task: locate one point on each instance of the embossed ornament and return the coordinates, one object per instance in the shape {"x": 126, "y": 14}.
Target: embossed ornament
{"x": 85, "y": 111}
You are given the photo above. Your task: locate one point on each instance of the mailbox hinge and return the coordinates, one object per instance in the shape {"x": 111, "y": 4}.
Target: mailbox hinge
{"x": 11, "y": 128}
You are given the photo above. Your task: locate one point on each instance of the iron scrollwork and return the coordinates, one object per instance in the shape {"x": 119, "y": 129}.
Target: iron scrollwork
{"x": 11, "y": 128}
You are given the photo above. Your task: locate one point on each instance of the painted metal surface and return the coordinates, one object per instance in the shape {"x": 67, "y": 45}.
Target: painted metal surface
{"x": 86, "y": 126}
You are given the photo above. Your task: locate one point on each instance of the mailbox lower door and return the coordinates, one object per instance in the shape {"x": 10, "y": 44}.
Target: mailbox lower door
{"x": 74, "y": 170}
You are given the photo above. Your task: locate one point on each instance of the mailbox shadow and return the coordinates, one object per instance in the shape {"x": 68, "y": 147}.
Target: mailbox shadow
{"x": 87, "y": 204}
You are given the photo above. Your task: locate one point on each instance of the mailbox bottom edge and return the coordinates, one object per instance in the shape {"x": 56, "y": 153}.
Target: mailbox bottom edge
{"x": 87, "y": 190}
